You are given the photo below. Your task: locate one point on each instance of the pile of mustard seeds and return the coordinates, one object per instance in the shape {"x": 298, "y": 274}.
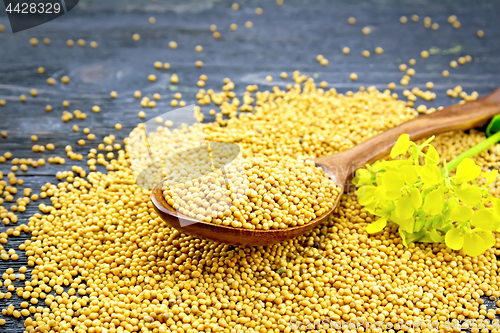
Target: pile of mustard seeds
{"x": 115, "y": 266}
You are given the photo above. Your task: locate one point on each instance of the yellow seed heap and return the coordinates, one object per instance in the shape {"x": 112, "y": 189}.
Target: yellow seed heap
{"x": 115, "y": 266}
{"x": 309, "y": 122}
{"x": 259, "y": 193}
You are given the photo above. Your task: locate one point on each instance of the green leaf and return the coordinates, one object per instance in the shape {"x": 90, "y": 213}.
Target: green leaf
{"x": 454, "y": 238}
{"x": 408, "y": 174}
{"x": 493, "y": 126}
{"x": 461, "y": 213}
{"x": 434, "y": 202}
{"x": 436, "y": 221}
{"x": 474, "y": 244}
{"x": 428, "y": 222}
{"x": 469, "y": 195}
{"x": 431, "y": 174}
{"x": 416, "y": 198}
{"x": 401, "y": 146}
{"x": 444, "y": 228}
{"x": 377, "y": 226}
{"x": 484, "y": 219}
{"x": 449, "y": 206}
{"x": 435, "y": 236}
{"x": 467, "y": 170}
{"x": 415, "y": 236}
{"x": 392, "y": 181}
{"x": 386, "y": 208}
{"x": 432, "y": 156}
{"x": 426, "y": 238}
{"x": 404, "y": 208}
{"x": 490, "y": 176}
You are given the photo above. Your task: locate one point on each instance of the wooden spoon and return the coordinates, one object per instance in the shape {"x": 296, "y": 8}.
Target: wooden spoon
{"x": 340, "y": 167}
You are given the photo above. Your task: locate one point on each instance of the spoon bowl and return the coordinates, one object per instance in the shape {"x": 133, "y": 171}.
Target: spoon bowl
{"x": 230, "y": 235}
{"x": 339, "y": 167}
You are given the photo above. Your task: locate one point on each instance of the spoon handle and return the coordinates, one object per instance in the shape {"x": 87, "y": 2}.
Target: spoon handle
{"x": 455, "y": 117}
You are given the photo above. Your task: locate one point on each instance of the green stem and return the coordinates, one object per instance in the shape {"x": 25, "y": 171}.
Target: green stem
{"x": 473, "y": 151}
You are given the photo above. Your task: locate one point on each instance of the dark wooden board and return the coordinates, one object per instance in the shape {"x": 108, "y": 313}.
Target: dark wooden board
{"x": 284, "y": 38}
